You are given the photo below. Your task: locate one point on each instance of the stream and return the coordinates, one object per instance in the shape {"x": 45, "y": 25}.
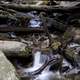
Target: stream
{"x": 45, "y": 66}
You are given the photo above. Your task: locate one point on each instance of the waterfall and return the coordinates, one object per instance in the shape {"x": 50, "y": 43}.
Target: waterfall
{"x": 37, "y": 63}
{"x": 37, "y": 58}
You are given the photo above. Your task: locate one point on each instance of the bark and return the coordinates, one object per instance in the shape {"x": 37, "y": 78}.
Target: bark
{"x": 10, "y": 13}
{"x": 21, "y": 7}
{"x": 5, "y": 28}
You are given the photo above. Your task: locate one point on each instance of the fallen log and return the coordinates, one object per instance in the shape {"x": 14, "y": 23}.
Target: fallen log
{"x": 21, "y": 7}
{"x": 12, "y": 14}
{"x": 5, "y": 28}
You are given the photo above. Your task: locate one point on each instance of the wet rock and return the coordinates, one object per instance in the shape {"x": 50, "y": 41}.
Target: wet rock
{"x": 7, "y": 71}
{"x": 70, "y": 56}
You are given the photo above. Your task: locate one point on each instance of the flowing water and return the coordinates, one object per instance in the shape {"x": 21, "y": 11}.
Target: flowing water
{"x": 38, "y": 61}
{"x": 35, "y": 22}
{"x": 46, "y": 73}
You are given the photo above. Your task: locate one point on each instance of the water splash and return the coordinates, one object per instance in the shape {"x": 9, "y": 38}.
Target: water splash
{"x": 48, "y": 75}
{"x": 35, "y": 22}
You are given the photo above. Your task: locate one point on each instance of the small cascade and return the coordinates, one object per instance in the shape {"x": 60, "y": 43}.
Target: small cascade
{"x": 35, "y": 22}
{"x": 37, "y": 56}
{"x": 37, "y": 63}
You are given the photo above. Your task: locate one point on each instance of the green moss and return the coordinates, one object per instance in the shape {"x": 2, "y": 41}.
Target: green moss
{"x": 55, "y": 44}
{"x": 26, "y": 52}
{"x": 70, "y": 52}
{"x": 72, "y": 77}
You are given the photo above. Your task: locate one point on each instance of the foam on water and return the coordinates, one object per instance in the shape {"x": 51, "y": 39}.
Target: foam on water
{"x": 66, "y": 63}
{"x": 48, "y": 75}
{"x": 35, "y": 23}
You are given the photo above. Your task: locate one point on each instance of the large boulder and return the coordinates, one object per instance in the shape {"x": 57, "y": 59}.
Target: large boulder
{"x": 7, "y": 71}
{"x": 13, "y": 48}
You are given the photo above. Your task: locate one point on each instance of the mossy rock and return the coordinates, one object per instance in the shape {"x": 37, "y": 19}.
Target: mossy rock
{"x": 55, "y": 44}
{"x": 72, "y": 77}
{"x": 70, "y": 52}
{"x": 26, "y": 52}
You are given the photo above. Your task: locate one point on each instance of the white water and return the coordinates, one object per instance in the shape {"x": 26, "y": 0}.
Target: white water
{"x": 37, "y": 57}
{"x": 73, "y": 45}
{"x": 65, "y": 63}
{"x": 36, "y": 63}
{"x": 35, "y": 22}
{"x": 48, "y": 75}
